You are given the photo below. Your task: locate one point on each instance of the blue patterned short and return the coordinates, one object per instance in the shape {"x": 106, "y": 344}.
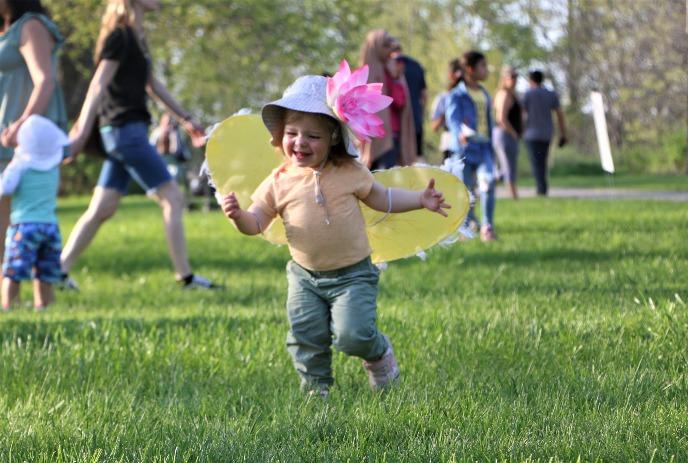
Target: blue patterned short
{"x": 32, "y": 250}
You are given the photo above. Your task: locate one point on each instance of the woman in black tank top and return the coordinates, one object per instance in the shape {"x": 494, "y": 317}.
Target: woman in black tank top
{"x": 508, "y": 127}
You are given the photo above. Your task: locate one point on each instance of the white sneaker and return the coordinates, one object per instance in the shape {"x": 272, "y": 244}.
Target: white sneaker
{"x": 198, "y": 282}
{"x": 383, "y": 372}
{"x": 67, "y": 283}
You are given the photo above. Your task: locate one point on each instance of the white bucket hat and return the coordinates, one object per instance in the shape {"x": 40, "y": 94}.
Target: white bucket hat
{"x": 307, "y": 94}
{"x": 40, "y": 143}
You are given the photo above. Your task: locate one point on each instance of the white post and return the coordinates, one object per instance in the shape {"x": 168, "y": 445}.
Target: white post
{"x": 601, "y": 131}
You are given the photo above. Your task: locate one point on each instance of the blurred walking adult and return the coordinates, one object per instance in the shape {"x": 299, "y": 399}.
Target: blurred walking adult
{"x": 469, "y": 120}
{"x": 508, "y": 127}
{"x": 388, "y": 151}
{"x": 170, "y": 142}
{"x": 29, "y": 44}
{"x": 439, "y": 107}
{"x": 538, "y": 105}
{"x": 117, "y": 95}
{"x": 415, "y": 80}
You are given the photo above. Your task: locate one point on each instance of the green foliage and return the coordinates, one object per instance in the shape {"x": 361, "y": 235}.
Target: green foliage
{"x": 563, "y": 341}
{"x": 220, "y": 55}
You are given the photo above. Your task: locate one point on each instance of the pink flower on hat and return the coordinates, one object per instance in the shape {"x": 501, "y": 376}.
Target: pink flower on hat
{"x": 356, "y": 102}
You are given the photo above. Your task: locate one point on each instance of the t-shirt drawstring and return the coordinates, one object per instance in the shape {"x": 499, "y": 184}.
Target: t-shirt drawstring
{"x": 319, "y": 197}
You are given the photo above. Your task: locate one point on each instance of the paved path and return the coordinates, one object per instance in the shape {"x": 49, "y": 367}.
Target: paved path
{"x": 601, "y": 193}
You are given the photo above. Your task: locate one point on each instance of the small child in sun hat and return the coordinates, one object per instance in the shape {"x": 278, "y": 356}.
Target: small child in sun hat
{"x": 33, "y": 242}
{"x": 332, "y": 283}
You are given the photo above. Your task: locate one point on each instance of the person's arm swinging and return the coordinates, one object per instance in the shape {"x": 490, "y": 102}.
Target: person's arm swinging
{"x": 81, "y": 129}
{"x": 159, "y": 92}
{"x": 35, "y": 47}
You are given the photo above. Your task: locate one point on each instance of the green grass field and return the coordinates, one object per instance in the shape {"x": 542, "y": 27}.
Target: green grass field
{"x": 564, "y": 340}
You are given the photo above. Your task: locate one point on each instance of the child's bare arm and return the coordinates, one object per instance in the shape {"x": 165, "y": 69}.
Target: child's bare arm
{"x": 406, "y": 200}
{"x": 249, "y": 222}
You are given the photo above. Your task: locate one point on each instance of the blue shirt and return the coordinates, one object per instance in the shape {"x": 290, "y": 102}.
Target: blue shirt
{"x": 461, "y": 109}
{"x": 35, "y": 198}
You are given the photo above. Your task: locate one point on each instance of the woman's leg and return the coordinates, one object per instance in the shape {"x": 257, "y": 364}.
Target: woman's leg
{"x": 512, "y": 160}
{"x": 103, "y": 205}
{"x": 170, "y": 199}
{"x": 5, "y": 206}
{"x": 486, "y": 187}
{"x": 468, "y": 179}
{"x": 500, "y": 147}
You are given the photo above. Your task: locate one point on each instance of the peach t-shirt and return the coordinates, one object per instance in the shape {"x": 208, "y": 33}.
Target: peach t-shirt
{"x": 290, "y": 193}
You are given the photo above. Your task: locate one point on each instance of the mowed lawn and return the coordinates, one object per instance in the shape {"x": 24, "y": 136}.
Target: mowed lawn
{"x": 566, "y": 339}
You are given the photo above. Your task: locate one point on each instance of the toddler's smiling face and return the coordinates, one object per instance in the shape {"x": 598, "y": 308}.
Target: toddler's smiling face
{"x": 307, "y": 139}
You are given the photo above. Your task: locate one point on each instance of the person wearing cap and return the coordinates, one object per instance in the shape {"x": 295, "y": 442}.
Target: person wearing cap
{"x": 332, "y": 283}
{"x": 33, "y": 240}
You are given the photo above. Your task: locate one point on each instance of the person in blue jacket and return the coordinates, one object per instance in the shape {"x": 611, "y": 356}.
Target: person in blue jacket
{"x": 469, "y": 120}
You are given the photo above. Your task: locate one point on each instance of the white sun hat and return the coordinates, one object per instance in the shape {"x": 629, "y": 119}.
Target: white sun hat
{"x": 307, "y": 94}
{"x": 40, "y": 143}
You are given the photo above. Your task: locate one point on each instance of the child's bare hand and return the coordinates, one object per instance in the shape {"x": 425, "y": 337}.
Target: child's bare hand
{"x": 433, "y": 200}
{"x": 231, "y": 207}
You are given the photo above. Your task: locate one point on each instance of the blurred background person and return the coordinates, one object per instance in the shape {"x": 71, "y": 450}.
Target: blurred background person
{"x": 117, "y": 94}
{"x": 439, "y": 107}
{"x": 538, "y": 105}
{"x": 418, "y": 94}
{"x": 469, "y": 118}
{"x": 508, "y": 127}
{"x": 171, "y": 143}
{"x": 29, "y": 43}
{"x": 383, "y": 153}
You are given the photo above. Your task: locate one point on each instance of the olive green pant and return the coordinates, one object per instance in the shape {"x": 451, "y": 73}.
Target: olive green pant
{"x": 337, "y": 308}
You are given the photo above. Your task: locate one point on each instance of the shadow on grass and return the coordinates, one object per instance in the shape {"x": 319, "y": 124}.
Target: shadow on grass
{"x": 46, "y": 333}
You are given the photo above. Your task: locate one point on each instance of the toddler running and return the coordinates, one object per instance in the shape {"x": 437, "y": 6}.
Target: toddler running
{"x": 332, "y": 283}
{"x": 33, "y": 242}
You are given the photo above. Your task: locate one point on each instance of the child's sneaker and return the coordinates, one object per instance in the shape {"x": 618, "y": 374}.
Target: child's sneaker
{"x": 382, "y": 372}
{"x": 487, "y": 234}
{"x": 318, "y": 393}
{"x": 67, "y": 283}
{"x": 196, "y": 282}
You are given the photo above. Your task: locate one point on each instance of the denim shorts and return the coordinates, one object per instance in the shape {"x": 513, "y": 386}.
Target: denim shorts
{"x": 32, "y": 250}
{"x": 130, "y": 155}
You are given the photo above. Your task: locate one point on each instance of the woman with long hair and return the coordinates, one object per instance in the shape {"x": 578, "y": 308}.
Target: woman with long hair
{"x": 508, "y": 127}
{"x": 117, "y": 95}
{"x": 398, "y": 146}
{"x": 29, "y": 42}
{"x": 469, "y": 120}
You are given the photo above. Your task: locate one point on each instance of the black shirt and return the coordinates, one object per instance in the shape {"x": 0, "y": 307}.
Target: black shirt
{"x": 514, "y": 117}
{"x": 125, "y": 97}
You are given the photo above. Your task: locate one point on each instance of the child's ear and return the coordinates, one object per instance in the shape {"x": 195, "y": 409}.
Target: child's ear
{"x": 336, "y": 138}
{"x": 274, "y": 142}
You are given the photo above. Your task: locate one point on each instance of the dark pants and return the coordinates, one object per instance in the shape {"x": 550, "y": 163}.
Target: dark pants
{"x": 419, "y": 143}
{"x": 538, "y": 151}
{"x": 390, "y": 158}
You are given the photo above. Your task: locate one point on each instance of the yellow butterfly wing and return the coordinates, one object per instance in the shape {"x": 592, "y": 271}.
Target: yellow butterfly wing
{"x": 240, "y": 156}
{"x": 396, "y": 236}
